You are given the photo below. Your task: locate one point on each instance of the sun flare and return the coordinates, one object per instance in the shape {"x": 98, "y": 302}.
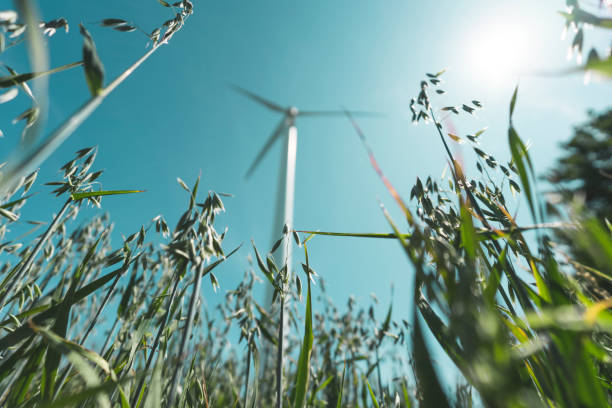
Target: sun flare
{"x": 499, "y": 52}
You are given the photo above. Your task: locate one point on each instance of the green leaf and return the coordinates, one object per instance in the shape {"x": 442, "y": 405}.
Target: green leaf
{"x": 27, "y": 313}
{"x": 513, "y": 102}
{"x": 264, "y": 269}
{"x": 519, "y": 151}
{"x": 468, "y": 234}
{"x": 8, "y": 364}
{"x": 213, "y": 265}
{"x": 18, "y": 79}
{"x": 91, "y": 391}
{"x": 441, "y": 332}
{"x": 31, "y": 368}
{"x": 13, "y": 203}
{"x": 321, "y": 387}
{"x": 480, "y": 132}
{"x": 194, "y": 193}
{"x": 60, "y": 327}
{"x": 154, "y": 398}
{"x": 81, "y": 358}
{"x": 127, "y": 295}
{"x": 602, "y": 67}
{"x": 339, "y": 401}
{"x": 94, "y": 70}
{"x": 481, "y": 233}
{"x": 372, "y": 396}
{"x": 68, "y": 347}
{"x": 494, "y": 278}
{"x": 86, "y": 194}
{"x": 303, "y": 368}
{"x": 433, "y": 394}
{"x": 541, "y": 283}
{"x": 25, "y": 331}
{"x": 356, "y": 234}
{"x": 406, "y": 396}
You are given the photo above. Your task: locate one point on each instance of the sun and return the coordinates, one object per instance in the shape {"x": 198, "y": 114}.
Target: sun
{"x": 499, "y": 51}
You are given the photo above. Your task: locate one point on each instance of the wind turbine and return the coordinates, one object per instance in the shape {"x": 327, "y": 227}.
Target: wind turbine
{"x": 286, "y": 187}
{"x": 289, "y": 153}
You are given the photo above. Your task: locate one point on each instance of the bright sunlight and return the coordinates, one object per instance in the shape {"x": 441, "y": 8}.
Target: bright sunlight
{"x": 500, "y": 51}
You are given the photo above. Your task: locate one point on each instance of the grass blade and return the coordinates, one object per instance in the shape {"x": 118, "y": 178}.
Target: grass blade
{"x": 433, "y": 394}
{"x": 303, "y": 368}
{"x": 519, "y": 150}
{"x": 186, "y": 332}
{"x": 11, "y": 80}
{"x": 321, "y": 387}
{"x": 80, "y": 358}
{"x": 30, "y": 260}
{"x": 86, "y": 194}
{"x": 60, "y": 327}
{"x": 372, "y": 396}
{"x": 513, "y": 102}
{"x": 25, "y": 330}
{"x": 339, "y": 402}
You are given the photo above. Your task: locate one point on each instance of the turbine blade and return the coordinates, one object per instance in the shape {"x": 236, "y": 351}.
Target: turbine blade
{"x": 275, "y": 135}
{"x": 340, "y": 113}
{"x": 257, "y": 98}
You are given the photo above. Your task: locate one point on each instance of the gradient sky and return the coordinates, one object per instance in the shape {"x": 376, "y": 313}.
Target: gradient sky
{"x": 177, "y": 116}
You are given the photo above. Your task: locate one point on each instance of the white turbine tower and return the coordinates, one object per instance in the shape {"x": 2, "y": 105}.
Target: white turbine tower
{"x": 286, "y": 187}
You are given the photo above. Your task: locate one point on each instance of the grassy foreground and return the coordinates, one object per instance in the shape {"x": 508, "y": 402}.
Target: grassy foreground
{"x": 85, "y": 323}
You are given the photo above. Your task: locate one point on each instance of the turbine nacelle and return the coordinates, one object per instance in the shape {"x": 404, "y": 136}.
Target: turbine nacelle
{"x": 293, "y": 111}
{"x": 289, "y": 115}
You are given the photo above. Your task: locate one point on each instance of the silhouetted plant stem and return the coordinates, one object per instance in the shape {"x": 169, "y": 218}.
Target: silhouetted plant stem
{"x": 108, "y": 337}
{"x": 160, "y": 330}
{"x": 30, "y": 260}
{"x": 279, "y": 355}
{"x": 186, "y": 332}
{"x": 380, "y": 387}
{"x": 248, "y": 370}
{"x": 90, "y": 328}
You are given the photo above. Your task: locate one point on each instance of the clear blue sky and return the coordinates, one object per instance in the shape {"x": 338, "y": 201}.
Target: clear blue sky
{"x": 176, "y": 115}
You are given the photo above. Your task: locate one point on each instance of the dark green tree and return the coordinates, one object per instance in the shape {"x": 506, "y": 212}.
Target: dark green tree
{"x": 584, "y": 175}
{"x": 585, "y": 171}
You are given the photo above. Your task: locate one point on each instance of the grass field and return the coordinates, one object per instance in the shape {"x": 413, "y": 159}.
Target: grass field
{"x": 519, "y": 316}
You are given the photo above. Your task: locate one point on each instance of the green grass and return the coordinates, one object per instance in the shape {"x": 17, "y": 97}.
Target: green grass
{"x": 508, "y": 310}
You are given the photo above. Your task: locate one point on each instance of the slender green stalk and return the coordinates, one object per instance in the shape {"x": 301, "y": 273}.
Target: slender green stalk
{"x": 9, "y": 81}
{"x": 186, "y": 332}
{"x": 279, "y": 355}
{"x": 339, "y": 401}
{"x": 136, "y": 397}
{"x": 30, "y": 260}
{"x": 99, "y": 311}
{"x": 20, "y": 166}
{"x": 248, "y": 369}
{"x": 380, "y": 386}
{"x": 109, "y": 336}
{"x": 9, "y": 384}
{"x": 93, "y": 322}
{"x": 480, "y": 232}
